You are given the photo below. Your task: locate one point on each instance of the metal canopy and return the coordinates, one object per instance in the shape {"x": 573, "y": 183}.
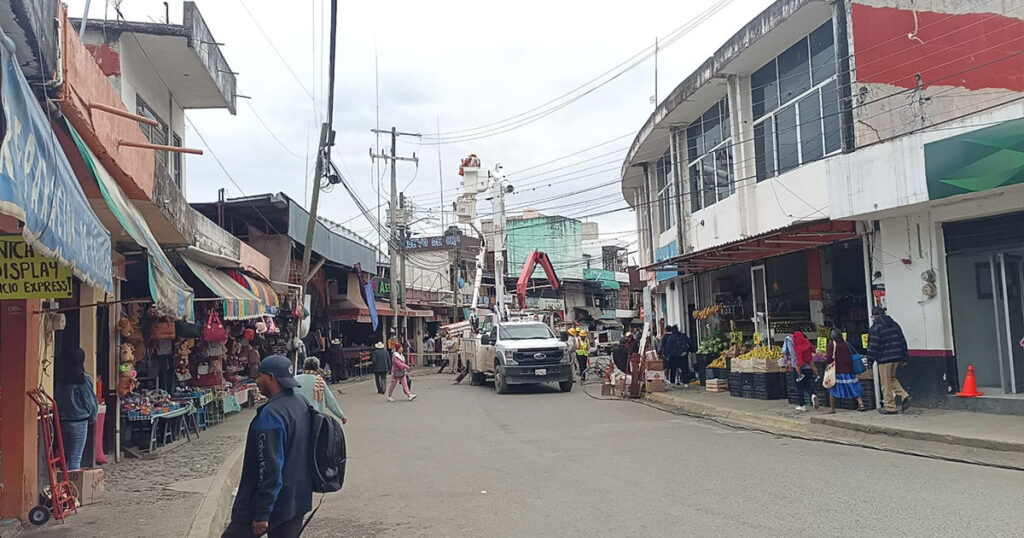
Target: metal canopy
{"x": 774, "y": 243}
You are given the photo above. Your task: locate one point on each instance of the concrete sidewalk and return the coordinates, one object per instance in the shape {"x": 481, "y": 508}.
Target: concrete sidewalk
{"x": 962, "y": 436}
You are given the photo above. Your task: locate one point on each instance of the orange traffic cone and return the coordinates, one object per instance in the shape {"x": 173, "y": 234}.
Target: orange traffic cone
{"x": 970, "y": 387}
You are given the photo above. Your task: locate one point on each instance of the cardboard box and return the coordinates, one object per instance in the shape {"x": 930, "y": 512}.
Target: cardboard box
{"x": 655, "y": 375}
{"x": 655, "y": 386}
{"x": 89, "y": 483}
{"x": 607, "y": 389}
{"x": 620, "y": 384}
{"x": 654, "y": 364}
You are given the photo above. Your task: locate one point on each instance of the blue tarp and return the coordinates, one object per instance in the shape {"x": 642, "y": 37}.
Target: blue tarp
{"x": 39, "y": 188}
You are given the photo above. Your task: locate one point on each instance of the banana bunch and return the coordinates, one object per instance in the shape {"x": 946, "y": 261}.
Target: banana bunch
{"x": 707, "y": 312}
{"x": 763, "y": 352}
{"x": 717, "y": 363}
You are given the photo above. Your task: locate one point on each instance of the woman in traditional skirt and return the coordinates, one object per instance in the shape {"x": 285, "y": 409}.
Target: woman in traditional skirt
{"x": 847, "y": 385}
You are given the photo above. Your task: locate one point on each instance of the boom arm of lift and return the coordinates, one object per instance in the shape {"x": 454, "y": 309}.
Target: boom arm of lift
{"x": 535, "y": 258}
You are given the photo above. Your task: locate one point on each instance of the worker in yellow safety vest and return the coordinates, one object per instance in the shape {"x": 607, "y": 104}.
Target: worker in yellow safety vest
{"x": 583, "y": 352}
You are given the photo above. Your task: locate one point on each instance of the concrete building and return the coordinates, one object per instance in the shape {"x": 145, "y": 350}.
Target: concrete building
{"x": 833, "y": 156}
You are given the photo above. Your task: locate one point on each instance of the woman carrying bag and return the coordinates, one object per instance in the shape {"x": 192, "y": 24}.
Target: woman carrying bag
{"x": 841, "y": 358}
{"x": 399, "y": 374}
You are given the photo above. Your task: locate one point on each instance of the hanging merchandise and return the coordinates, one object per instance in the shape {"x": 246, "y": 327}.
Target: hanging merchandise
{"x": 127, "y": 378}
{"x": 214, "y": 330}
{"x": 185, "y": 329}
{"x": 163, "y": 329}
{"x": 249, "y": 334}
{"x": 271, "y": 324}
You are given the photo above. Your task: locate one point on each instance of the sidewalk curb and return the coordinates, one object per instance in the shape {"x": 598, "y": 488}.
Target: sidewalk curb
{"x": 711, "y": 411}
{"x": 213, "y": 512}
{"x": 989, "y": 444}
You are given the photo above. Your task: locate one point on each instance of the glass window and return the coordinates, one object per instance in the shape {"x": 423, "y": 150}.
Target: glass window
{"x": 707, "y": 164}
{"x": 786, "y": 139}
{"x": 695, "y": 186}
{"x": 764, "y": 88}
{"x": 794, "y": 71}
{"x": 795, "y": 105}
{"x": 712, "y": 124}
{"x": 155, "y": 134}
{"x": 830, "y": 113}
{"x": 764, "y": 149}
{"x": 823, "y": 54}
{"x": 709, "y": 147}
{"x": 666, "y": 188}
{"x": 528, "y": 331}
{"x": 811, "y": 145}
{"x": 176, "y": 161}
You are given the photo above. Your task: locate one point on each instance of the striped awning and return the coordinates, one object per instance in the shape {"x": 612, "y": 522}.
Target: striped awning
{"x": 239, "y": 303}
{"x": 259, "y": 288}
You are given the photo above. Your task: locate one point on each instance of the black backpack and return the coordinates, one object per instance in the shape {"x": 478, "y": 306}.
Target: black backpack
{"x": 329, "y": 455}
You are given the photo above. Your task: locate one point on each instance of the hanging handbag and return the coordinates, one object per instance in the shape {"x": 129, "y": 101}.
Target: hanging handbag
{"x": 858, "y": 362}
{"x": 162, "y": 330}
{"x": 186, "y": 330}
{"x": 164, "y": 347}
{"x": 214, "y": 330}
{"x": 249, "y": 334}
{"x": 215, "y": 349}
{"x": 829, "y": 379}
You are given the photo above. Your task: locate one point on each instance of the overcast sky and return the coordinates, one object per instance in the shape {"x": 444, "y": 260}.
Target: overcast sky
{"x": 463, "y": 63}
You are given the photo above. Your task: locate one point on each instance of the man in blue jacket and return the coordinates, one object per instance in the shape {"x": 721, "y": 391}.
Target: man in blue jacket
{"x": 888, "y": 347}
{"x": 276, "y": 489}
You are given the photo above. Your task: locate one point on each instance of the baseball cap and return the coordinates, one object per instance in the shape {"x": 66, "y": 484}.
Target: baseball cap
{"x": 878, "y": 311}
{"x": 281, "y": 368}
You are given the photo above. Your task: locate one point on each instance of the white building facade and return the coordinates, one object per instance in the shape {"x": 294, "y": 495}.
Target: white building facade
{"x": 834, "y": 156}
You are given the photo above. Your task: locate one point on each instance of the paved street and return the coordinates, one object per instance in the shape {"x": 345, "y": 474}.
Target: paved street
{"x": 463, "y": 461}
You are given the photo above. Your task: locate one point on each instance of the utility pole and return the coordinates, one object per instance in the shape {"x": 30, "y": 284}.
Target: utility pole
{"x": 323, "y": 155}
{"x": 396, "y": 246}
{"x": 500, "y": 242}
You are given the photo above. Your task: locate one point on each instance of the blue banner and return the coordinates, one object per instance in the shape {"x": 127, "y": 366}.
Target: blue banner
{"x": 39, "y": 188}
{"x": 371, "y": 303}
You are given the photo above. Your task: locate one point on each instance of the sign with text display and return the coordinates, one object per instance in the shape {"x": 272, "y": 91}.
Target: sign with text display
{"x": 26, "y": 274}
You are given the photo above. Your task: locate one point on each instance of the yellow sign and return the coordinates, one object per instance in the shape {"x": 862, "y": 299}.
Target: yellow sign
{"x": 757, "y": 339}
{"x": 864, "y": 341}
{"x": 823, "y": 332}
{"x": 844, "y": 335}
{"x": 25, "y": 274}
{"x": 736, "y": 337}
{"x": 822, "y": 343}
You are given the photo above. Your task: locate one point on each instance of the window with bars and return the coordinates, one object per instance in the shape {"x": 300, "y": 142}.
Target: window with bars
{"x": 665, "y": 183}
{"x": 709, "y": 150}
{"x": 155, "y": 134}
{"x": 796, "y": 105}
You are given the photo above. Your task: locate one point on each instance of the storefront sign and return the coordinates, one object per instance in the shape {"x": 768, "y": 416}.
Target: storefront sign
{"x": 980, "y": 160}
{"x": 38, "y": 186}
{"x": 26, "y": 274}
{"x": 670, "y": 250}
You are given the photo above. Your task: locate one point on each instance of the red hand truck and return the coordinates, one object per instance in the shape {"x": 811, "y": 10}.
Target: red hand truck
{"x": 62, "y": 497}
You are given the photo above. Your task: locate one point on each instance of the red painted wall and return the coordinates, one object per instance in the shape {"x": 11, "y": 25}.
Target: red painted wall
{"x": 988, "y": 46}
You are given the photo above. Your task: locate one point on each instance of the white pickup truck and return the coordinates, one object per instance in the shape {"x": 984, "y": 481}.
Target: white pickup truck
{"x": 518, "y": 352}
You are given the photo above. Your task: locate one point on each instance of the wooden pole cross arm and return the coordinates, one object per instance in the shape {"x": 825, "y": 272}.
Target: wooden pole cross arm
{"x": 123, "y": 113}
{"x": 173, "y": 149}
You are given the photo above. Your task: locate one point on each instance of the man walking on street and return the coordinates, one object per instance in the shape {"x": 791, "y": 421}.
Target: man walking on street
{"x": 381, "y": 360}
{"x": 276, "y": 488}
{"x": 888, "y": 347}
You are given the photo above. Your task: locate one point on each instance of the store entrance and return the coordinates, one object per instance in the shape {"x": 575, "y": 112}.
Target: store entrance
{"x": 1008, "y": 308}
{"x": 985, "y": 264}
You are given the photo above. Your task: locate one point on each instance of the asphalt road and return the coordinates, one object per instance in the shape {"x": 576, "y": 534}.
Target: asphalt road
{"x": 464, "y": 461}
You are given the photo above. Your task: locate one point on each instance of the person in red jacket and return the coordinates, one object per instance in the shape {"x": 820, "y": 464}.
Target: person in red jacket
{"x": 804, "y": 369}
